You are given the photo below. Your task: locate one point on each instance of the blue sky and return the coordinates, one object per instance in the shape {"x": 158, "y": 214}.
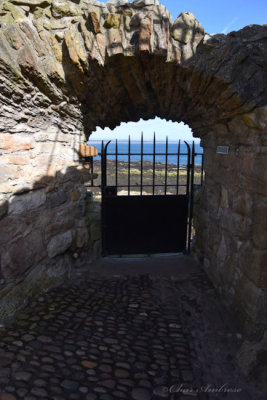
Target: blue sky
{"x": 216, "y": 16}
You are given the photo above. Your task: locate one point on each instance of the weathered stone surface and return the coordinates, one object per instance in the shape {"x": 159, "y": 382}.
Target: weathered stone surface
{"x": 59, "y": 243}
{"x": 119, "y": 3}
{"x": 249, "y": 355}
{"x": 32, "y": 3}
{"x": 3, "y": 209}
{"x": 184, "y": 27}
{"x": 26, "y": 202}
{"x": 145, "y": 3}
{"x": 145, "y": 35}
{"x": 13, "y": 296}
{"x": 81, "y": 237}
{"x": 22, "y": 254}
{"x": 113, "y": 21}
{"x": 65, "y": 9}
{"x": 14, "y": 144}
{"x": 93, "y": 19}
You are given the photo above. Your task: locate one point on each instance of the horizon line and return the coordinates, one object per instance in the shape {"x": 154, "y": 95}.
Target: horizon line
{"x": 145, "y": 141}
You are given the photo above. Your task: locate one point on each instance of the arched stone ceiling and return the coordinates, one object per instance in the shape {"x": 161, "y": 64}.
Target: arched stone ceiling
{"x": 100, "y": 64}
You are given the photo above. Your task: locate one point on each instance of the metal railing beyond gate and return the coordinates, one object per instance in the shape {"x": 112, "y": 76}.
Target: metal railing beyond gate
{"x": 171, "y": 172}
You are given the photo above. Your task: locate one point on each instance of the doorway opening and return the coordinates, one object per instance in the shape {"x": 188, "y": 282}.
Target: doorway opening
{"x": 147, "y": 187}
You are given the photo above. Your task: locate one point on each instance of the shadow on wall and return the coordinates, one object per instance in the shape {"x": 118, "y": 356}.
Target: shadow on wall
{"x": 42, "y": 232}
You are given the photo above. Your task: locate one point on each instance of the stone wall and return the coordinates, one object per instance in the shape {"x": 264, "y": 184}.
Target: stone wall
{"x": 231, "y": 213}
{"x": 42, "y": 206}
{"x": 69, "y": 66}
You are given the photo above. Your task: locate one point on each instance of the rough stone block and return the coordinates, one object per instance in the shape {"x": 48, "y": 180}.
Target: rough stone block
{"x": 145, "y": 3}
{"x": 18, "y": 160}
{"x": 117, "y": 4}
{"x": 65, "y": 9}
{"x": 249, "y": 297}
{"x": 113, "y": 21}
{"x": 56, "y": 198}
{"x": 97, "y": 249}
{"x": 95, "y": 231}
{"x": 250, "y": 353}
{"x": 46, "y": 275}
{"x": 59, "y": 226}
{"x": 7, "y": 172}
{"x": 32, "y": 3}
{"x": 242, "y": 202}
{"x": 18, "y": 143}
{"x": 59, "y": 244}
{"x": 81, "y": 237}
{"x": 145, "y": 35}
{"x": 235, "y": 224}
{"x": 183, "y": 28}
{"x": 253, "y": 263}
{"x": 3, "y": 208}
{"x": 25, "y": 202}
{"x": 75, "y": 196}
{"x": 19, "y": 256}
{"x": 259, "y": 230}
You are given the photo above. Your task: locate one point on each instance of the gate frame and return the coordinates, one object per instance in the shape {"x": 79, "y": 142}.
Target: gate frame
{"x": 190, "y": 185}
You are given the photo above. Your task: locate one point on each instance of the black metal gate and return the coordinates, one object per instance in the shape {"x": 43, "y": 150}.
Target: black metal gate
{"x": 153, "y": 215}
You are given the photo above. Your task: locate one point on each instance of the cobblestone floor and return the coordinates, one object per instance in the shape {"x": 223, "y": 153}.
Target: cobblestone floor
{"x": 131, "y": 335}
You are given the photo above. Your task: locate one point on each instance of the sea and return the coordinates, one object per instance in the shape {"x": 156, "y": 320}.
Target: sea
{"x": 135, "y": 150}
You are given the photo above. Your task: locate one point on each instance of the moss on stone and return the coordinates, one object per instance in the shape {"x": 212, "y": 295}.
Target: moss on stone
{"x": 66, "y": 9}
{"x": 113, "y": 21}
{"x": 17, "y": 13}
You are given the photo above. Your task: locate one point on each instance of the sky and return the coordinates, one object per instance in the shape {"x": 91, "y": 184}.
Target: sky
{"x": 216, "y": 16}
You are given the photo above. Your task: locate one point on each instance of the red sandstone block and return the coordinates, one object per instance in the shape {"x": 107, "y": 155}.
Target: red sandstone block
{"x": 16, "y": 143}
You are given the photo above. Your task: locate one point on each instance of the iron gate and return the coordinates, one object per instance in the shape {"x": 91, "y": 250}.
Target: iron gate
{"x": 147, "y": 217}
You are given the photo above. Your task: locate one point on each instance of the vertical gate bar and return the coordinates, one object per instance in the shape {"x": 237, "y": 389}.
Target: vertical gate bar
{"x": 178, "y": 168}
{"x": 202, "y": 169}
{"x": 129, "y": 165}
{"x": 102, "y": 167}
{"x": 103, "y": 230}
{"x": 154, "y": 162}
{"x": 188, "y": 167}
{"x": 191, "y": 197}
{"x": 142, "y": 155}
{"x": 166, "y": 166}
{"x": 92, "y": 170}
{"x": 116, "y": 163}
{"x": 187, "y": 191}
{"x": 103, "y": 187}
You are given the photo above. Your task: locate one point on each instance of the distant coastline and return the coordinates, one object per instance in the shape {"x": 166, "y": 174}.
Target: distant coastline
{"x": 135, "y": 150}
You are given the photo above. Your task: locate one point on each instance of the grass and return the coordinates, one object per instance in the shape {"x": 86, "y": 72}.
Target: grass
{"x": 135, "y": 175}
{"x": 158, "y": 173}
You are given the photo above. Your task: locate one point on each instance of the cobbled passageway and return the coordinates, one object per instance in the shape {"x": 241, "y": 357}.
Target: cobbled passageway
{"x": 127, "y": 329}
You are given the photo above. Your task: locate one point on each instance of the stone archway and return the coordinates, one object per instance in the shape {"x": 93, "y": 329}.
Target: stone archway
{"x": 69, "y": 66}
